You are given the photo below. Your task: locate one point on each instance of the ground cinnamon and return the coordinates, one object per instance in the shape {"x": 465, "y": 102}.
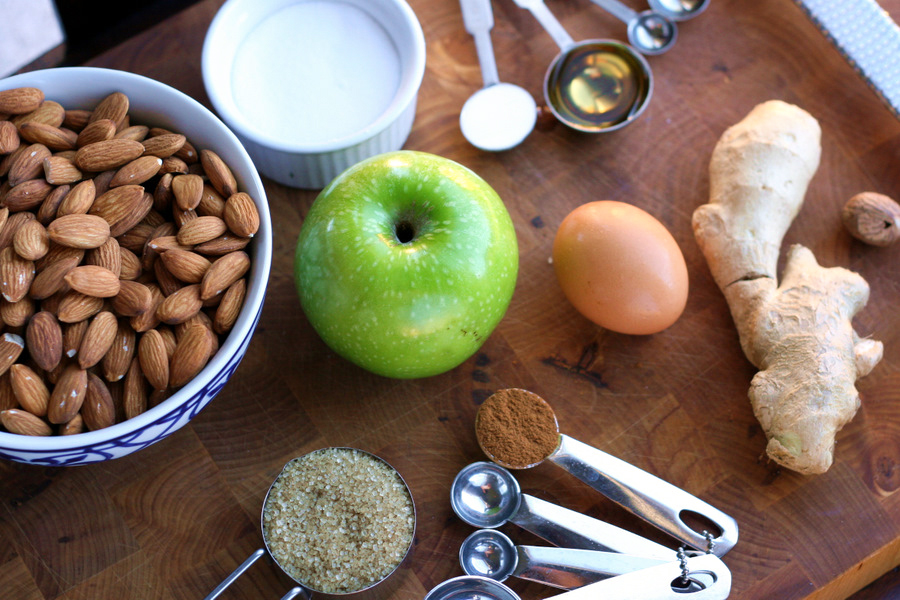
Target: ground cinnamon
{"x": 516, "y": 428}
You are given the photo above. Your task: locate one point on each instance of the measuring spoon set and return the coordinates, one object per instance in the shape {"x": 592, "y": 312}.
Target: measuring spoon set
{"x": 589, "y": 557}
{"x": 592, "y": 86}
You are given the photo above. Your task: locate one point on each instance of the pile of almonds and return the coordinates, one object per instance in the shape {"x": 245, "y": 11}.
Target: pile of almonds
{"x": 122, "y": 262}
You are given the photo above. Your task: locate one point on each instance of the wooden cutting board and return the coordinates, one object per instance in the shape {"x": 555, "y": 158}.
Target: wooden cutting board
{"x": 171, "y": 521}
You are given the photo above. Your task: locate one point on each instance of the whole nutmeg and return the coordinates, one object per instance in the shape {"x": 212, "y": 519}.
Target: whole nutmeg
{"x": 873, "y": 218}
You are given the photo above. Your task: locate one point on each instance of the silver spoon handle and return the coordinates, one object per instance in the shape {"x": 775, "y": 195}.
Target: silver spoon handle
{"x": 548, "y": 21}
{"x": 478, "y": 19}
{"x": 645, "y": 495}
{"x": 570, "y": 529}
{"x": 567, "y": 569}
{"x": 617, "y": 9}
{"x": 655, "y": 583}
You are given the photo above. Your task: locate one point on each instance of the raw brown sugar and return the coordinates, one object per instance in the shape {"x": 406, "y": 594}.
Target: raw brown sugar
{"x": 516, "y": 428}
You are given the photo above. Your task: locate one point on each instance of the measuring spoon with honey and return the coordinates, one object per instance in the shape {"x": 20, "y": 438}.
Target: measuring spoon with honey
{"x": 485, "y": 495}
{"x": 649, "y": 31}
{"x": 679, "y": 10}
{"x": 517, "y": 429}
{"x": 499, "y": 116}
{"x": 592, "y": 86}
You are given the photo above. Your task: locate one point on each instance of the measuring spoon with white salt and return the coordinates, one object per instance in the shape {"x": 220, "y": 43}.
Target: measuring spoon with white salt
{"x": 499, "y": 116}
{"x": 656, "y": 501}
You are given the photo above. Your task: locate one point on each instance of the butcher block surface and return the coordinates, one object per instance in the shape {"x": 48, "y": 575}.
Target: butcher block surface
{"x": 171, "y": 521}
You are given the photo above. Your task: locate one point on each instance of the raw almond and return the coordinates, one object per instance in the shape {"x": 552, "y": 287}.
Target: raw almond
{"x": 53, "y": 277}
{"x": 59, "y": 170}
{"x": 222, "y": 245}
{"x": 154, "y": 359}
{"x": 16, "y": 314}
{"x": 165, "y": 243}
{"x": 180, "y": 306}
{"x": 16, "y": 275}
{"x": 200, "y": 230}
{"x": 97, "y": 339}
{"x": 118, "y": 357}
{"x": 98, "y": 409}
{"x": 108, "y": 256}
{"x": 73, "y": 334}
{"x": 31, "y": 241}
{"x": 220, "y": 176}
{"x": 23, "y": 422}
{"x": 96, "y": 131}
{"x": 134, "y": 391}
{"x": 241, "y": 214}
{"x": 9, "y": 137}
{"x": 29, "y": 389}
{"x": 149, "y": 319}
{"x": 181, "y": 217}
{"x": 191, "y": 355}
{"x": 137, "y": 171}
{"x": 211, "y": 203}
{"x": 134, "y": 132}
{"x": 28, "y": 164}
{"x": 107, "y": 154}
{"x": 44, "y": 337}
{"x": 135, "y": 238}
{"x": 7, "y": 397}
{"x": 27, "y": 195}
{"x": 167, "y": 282}
{"x": 13, "y": 222}
{"x": 162, "y": 193}
{"x": 131, "y": 264}
{"x": 188, "y": 191}
{"x": 21, "y": 100}
{"x": 164, "y": 145}
{"x": 11, "y": 346}
{"x": 223, "y": 273}
{"x": 122, "y": 207}
{"x": 49, "y": 207}
{"x": 49, "y": 112}
{"x": 79, "y": 231}
{"x": 72, "y": 427}
{"x": 76, "y": 118}
{"x": 133, "y": 299}
{"x": 186, "y": 266}
{"x": 230, "y": 307}
{"x": 75, "y": 307}
{"x": 67, "y": 395}
{"x": 79, "y": 199}
{"x": 55, "y": 138}
{"x": 113, "y": 107}
{"x": 92, "y": 280}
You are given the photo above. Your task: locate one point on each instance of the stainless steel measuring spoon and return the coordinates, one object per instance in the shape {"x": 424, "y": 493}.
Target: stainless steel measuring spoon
{"x": 679, "y": 10}
{"x": 592, "y": 86}
{"x": 486, "y": 495}
{"x": 493, "y": 554}
{"x": 701, "y": 577}
{"x": 303, "y": 588}
{"x": 647, "y": 496}
{"x": 649, "y": 31}
{"x": 499, "y": 116}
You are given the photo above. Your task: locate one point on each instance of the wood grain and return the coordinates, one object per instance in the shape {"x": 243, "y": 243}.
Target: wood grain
{"x": 170, "y": 522}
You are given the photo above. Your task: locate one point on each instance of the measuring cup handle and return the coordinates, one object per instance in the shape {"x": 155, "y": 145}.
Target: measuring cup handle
{"x": 548, "y": 21}
{"x": 235, "y": 574}
{"x": 568, "y": 568}
{"x": 658, "y": 502}
{"x": 570, "y": 529}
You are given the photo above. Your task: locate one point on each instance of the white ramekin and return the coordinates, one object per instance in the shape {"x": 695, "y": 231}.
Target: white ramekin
{"x": 303, "y": 163}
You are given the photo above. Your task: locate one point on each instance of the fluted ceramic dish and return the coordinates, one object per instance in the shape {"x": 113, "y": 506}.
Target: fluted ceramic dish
{"x": 157, "y": 104}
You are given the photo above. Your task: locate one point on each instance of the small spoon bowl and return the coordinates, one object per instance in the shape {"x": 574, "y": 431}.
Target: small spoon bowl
{"x": 471, "y": 587}
{"x": 489, "y": 553}
{"x": 485, "y": 495}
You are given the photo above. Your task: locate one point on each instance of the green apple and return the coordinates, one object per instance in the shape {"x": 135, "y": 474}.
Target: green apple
{"x": 406, "y": 263}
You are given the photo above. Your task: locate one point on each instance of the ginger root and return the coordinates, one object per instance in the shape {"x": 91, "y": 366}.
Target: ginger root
{"x": 797, "y": 333}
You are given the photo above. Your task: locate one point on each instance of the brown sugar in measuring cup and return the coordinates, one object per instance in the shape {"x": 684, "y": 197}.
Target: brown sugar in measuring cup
{"x": 516, "y": 428}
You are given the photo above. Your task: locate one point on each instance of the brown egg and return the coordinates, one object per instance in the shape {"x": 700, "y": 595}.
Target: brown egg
{"x": 620, "y": 267}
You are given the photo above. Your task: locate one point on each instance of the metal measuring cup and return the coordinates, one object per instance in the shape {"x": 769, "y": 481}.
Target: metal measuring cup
{"x": 303, "y": 589}
{"x": 592, "y": 86}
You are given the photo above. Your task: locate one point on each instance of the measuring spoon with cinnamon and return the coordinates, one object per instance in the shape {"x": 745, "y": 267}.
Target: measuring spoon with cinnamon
{"x": 517, "y": 429}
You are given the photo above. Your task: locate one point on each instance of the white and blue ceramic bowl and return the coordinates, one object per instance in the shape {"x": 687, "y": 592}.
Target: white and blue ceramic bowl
{"x": 154, "y": 103}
